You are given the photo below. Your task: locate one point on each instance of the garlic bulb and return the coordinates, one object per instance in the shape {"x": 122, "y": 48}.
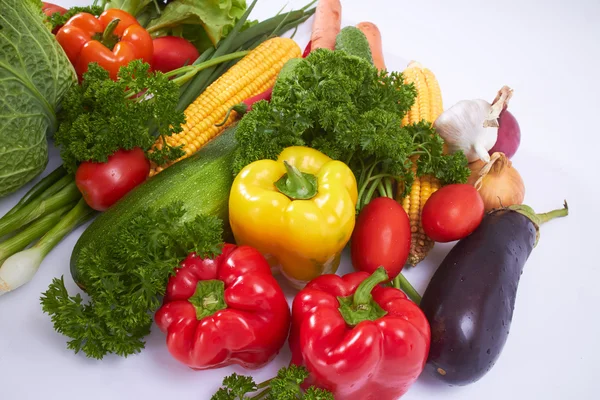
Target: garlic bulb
{"x": 472, "y": 125}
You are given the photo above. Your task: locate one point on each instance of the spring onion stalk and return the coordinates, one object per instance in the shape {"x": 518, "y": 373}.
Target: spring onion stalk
{"x": 20, "y": 268}
{"x": 32, "y": 232}
{"x": 39, "y": 188}
{"x": 44, "y": 189}
{"x": 40, "y": 207}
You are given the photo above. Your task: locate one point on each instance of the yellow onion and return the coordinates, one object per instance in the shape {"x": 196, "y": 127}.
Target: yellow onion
{"x": 497, "y": 181}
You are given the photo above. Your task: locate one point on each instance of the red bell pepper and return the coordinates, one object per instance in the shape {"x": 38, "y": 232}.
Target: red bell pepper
{"x": 222, "y": 311}
{"x": 357, "y": 339}
{"x": 112, "y": 40}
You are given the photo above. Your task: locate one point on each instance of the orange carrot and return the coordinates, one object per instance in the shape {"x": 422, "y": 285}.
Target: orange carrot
{"x": 328, "y": 21}
{"x": 374, "y": 38}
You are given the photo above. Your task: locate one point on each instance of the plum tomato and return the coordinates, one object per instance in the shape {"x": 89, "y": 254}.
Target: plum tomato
{"x": 452, "y": 213}
{"x": 381, "y": 237}
{"x": 172, "y": 52}
{"x": 103, "y": 184}
{"x": 50, "y": 8}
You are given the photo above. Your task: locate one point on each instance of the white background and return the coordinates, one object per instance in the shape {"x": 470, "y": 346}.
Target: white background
{"x": 548, "y": 53}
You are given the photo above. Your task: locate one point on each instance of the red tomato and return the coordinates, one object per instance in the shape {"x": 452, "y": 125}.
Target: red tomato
{"x": 452, "y": 213}
{"x": 102, "y": 184}
{"x": 172, "y": 52}
{"x": 49, "y": 9}
{"x": 381, "y": 237}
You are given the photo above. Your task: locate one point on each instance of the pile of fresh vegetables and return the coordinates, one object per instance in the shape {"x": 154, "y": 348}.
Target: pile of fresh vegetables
{"x": 215, "y": 154}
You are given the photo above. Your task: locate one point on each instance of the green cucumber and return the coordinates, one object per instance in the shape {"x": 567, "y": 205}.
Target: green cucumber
{"x": 352, "y": 41}
{"x": 202, "y": 182}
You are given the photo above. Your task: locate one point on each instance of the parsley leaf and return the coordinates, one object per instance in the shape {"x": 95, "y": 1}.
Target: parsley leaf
{"x": 346, "y": 108}
{"x": 285, "y": 386}
{"x": 56, "y": 20}
{"x": 235, "y": 387}
{"x": 101, "y": 116}
{"x": 126, "y": 280}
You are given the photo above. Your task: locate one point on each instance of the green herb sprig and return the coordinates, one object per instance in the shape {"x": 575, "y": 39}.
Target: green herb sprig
{"x": 101, "y": 116}
{"x": 126, "y": 279}
{"x": 285, "y": 386}
{"x": 343, "y": 106}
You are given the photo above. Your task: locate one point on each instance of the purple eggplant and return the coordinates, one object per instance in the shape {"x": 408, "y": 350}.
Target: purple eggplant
{"x": 470, "y": 299}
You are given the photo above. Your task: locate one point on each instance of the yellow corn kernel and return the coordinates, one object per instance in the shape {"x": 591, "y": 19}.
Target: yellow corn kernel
{"x": 253, "y": 74}
{"x": 428, "y": 106}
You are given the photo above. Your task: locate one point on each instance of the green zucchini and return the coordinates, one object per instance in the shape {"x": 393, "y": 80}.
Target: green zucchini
{"x": 202, "y": 182}
{"x": 352, "y": 41}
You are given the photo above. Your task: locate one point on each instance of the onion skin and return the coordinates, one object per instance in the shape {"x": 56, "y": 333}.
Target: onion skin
{"x": 498, "y": 182}
{"x": 509, "y": 135}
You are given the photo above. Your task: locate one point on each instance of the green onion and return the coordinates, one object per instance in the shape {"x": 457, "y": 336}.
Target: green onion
{"x": 19, "y": 268}
{"x": 40, "y": 207}
{"x": 31, "y": 232}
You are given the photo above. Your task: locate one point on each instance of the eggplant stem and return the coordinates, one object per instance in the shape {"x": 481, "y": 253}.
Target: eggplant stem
{"x": 561, "y": 212}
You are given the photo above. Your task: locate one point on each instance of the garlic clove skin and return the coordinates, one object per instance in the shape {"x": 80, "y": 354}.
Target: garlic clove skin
{"x": 462, "y": 128}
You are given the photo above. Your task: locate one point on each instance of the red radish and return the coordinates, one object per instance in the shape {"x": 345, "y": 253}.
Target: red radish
{"x": 509, "y": 135}
{"x": 246, "y": 105}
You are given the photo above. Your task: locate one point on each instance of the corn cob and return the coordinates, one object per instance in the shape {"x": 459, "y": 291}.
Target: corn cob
{"x": 253, "y": 74}
{"x": 428, "y": 106}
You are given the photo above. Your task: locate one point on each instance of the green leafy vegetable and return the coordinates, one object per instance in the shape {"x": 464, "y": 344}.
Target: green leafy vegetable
{"x": 341, "y": 105}
{"x": 133, "y": 7}
{"x": 56, "y": 20}
{"x": 203, "y": 22}
{"x": 34, "y": 76}
{"x": 101, "y": 116}
{"x": 285, "y": 386}
{"x": 125, "y": 280}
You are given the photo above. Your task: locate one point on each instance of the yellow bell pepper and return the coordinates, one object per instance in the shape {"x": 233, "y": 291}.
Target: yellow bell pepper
{"x": 297, "y": 211}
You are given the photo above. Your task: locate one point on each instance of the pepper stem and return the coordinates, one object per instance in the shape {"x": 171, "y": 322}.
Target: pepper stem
{"x": 401, "y": 283}
{"x": 108, "y": 38}
{"x": 360, "y": 306}
{"x": 208, "y": 298}
{"x": 297, "y": 185}
{"x": 362, "y": 295}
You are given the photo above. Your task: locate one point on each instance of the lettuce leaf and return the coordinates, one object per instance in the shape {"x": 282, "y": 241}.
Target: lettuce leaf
{"x": 203, "y": 22}
{"x": 133, "y": 7}
{"x": 34, "y": 75}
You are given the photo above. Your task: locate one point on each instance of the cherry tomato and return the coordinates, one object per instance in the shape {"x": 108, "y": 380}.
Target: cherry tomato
{"x": 452, "y": 213}
{"x": 172, "y": 52}
{"x": 103, "y": 184}
{"x": 381, "y": 237}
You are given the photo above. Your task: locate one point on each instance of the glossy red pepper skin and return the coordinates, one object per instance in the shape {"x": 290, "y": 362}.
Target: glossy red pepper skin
{"x": 78, "y": 39}
{"x": 252, "y": 328}
{"x": 377, "y": 359}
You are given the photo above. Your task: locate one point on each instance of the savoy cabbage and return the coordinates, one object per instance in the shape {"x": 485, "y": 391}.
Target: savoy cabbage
{"x": 34, "y": 75}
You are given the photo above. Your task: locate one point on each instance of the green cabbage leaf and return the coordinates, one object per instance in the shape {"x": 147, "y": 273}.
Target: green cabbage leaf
{"x": 35, "y": 73}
